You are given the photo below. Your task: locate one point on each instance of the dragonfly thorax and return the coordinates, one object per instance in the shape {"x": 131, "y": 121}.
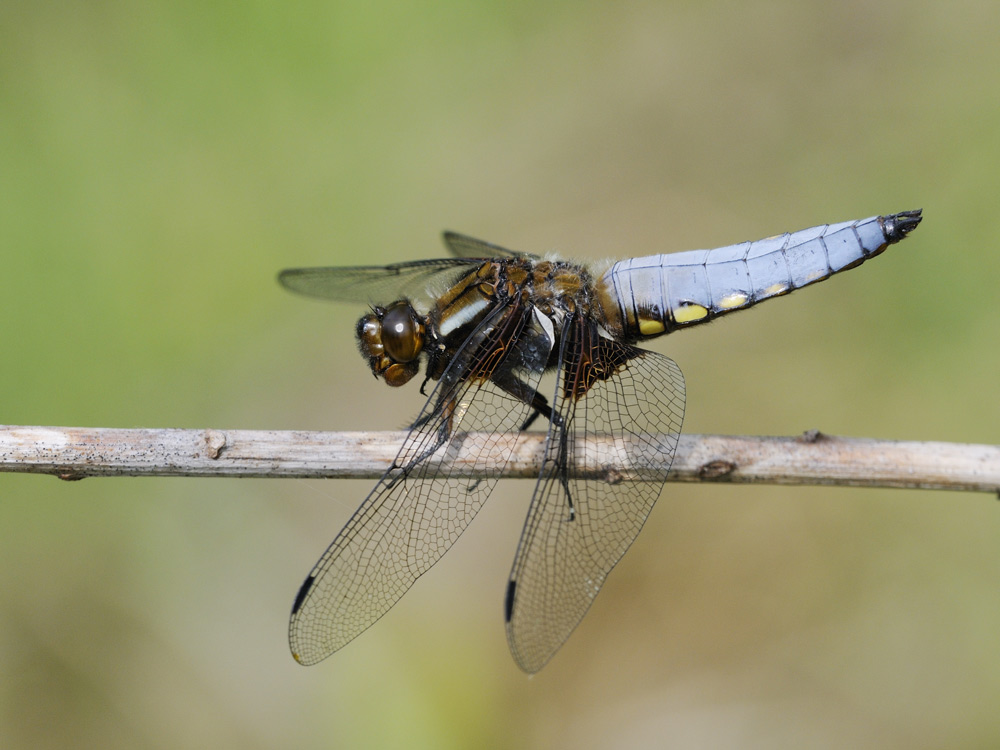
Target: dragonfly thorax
{"x": 391, "y": 338}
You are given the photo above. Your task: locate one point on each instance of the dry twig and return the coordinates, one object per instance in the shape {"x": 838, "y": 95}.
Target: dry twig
{"x": 813, "y": 458}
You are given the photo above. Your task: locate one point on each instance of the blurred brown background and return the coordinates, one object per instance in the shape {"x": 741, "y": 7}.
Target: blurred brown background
{"x": 161, "y": 161}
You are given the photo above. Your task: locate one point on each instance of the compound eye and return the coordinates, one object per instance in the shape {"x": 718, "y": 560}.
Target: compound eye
{"x": 402, "y": 332}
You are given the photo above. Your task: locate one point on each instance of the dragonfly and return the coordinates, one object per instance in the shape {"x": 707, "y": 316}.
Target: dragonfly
{"x": 486, "y": 324}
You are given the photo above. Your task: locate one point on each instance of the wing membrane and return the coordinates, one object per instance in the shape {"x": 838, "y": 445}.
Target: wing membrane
{"x": 366, "y": 284}
{"x": 577, "y": 529}
{"x": 463, "y": 246}
{"x": 416, "y": 512}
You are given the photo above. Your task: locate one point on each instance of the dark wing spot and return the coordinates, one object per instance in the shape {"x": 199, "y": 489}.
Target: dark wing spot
{"x": 303, "y": 592}
{"x": 508, "y": 602}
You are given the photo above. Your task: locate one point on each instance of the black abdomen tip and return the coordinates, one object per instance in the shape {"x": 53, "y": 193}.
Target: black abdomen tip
{"x": 897, "y": 226}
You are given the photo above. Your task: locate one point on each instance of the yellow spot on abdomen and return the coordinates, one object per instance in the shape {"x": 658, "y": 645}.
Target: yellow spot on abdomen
{"x": 779, "y": 288}
{"x": 690, "y": 313}
{"x": 651, "y": 327}
{"x": 732, "y": 300}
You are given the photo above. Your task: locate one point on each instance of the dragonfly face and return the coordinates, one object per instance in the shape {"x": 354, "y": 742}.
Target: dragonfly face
{"x": 486, "y": 324}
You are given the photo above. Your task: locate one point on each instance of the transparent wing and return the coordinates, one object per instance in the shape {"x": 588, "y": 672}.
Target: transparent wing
{"x": 365, "y": 284}
{"x": 577, "y": 529}
{"x": 463, "y": 246}
{"x": 418, "y": 509}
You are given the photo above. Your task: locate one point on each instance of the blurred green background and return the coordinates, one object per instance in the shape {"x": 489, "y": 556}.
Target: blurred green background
{"x": 161, "y": 161}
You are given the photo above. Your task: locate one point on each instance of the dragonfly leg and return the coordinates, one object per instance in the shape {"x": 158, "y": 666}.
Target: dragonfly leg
{"x": 562, "y": 460}
{"x": 445, "y": 413}
{"x": 540, "y": 406}
{"x": 520, "y": 390}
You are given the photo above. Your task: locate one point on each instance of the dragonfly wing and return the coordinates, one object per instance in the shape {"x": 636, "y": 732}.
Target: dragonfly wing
{"x": 419, "y": 508}
{"x": 364, "y": 284}
{"x": 463, "y": 246}
{"x": 578, "y": 529}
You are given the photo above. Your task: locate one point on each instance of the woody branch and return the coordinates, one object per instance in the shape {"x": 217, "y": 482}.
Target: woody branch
{"x": 812, "y": 458}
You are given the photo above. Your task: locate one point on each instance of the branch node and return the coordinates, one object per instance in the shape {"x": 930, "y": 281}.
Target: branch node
{"x": 612, "y": 475}
{"x": 215, "y": 442}
{"x": 716, "y": 469}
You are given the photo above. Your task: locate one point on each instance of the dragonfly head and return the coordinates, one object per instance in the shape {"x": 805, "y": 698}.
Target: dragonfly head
{"x": 391, "y": 338}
